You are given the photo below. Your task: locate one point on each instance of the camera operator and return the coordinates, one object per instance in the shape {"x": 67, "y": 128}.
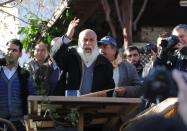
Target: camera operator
{"x": 168, "y": 46}
{"x": 181, "y": 32}
{"x": 158, "y": 84}
{"x": 173, "y": 49}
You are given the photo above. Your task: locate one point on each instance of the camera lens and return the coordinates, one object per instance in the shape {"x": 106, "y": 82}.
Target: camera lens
{"x": 148, "y": 47}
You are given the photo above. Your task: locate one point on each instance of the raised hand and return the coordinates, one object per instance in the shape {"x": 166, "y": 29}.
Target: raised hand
{"x": 71, "y": 28}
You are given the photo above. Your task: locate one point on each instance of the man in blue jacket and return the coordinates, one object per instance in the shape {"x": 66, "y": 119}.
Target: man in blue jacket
{"x": 15, "y": 86}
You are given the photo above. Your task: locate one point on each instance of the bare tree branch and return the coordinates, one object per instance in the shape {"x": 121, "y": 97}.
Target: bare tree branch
{"x": 6, "y": 2}
{"x": 14, "y": 16}
{"x": 139, "y": 14}
{"x": 107, "y": 12}
{"x": 126, "y": 16}
{"x": 119, "y": 14}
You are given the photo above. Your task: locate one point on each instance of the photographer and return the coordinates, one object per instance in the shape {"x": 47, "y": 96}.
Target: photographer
{"x": 167, "y": 55}
{"x": 181, "y": 32}
{"x": 168, "y": 51}
{"x": 150, "y": 51}
{"x": 173, "y": 49}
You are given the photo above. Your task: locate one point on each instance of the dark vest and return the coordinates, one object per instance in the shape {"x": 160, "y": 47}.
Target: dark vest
{"x": 23, "y": 76}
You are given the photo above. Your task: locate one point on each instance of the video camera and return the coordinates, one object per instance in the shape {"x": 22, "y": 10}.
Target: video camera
{"x": 148, "y": 47}
{"x": 168, "y": 44}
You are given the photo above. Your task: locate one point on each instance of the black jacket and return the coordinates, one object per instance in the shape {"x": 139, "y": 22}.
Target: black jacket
{"x": 70, "y": 63}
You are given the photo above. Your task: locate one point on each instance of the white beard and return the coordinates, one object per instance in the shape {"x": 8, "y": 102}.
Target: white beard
{"x": 88, "y": 58}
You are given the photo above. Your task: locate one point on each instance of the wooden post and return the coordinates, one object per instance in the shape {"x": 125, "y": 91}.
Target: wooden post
{"x": 81, "y": 122}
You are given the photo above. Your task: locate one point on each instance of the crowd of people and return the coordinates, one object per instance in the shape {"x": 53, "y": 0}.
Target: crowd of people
{"x": 94, "y": 65}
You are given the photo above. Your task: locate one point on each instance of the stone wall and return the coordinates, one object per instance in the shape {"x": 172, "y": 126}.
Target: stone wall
{"x": 149, "y": 35}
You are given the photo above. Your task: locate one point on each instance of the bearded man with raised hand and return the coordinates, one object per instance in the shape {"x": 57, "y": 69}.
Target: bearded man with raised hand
{"x": 84, "y": 69}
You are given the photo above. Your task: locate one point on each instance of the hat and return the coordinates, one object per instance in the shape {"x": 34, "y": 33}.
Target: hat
{"x": 108, "y": 40}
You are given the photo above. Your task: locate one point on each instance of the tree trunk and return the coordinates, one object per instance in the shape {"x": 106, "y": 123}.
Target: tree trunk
{"x": 126, "y": 9}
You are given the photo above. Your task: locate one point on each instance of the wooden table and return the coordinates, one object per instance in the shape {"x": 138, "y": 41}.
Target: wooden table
{"x": 100, "y": 109}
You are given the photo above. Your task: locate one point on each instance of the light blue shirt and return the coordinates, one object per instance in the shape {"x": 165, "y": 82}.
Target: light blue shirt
{"x": 86, "y": 86}
{"x": 9, "y": 72}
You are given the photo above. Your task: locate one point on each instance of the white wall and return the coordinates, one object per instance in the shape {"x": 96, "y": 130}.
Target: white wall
{"x": 10, "y": 25}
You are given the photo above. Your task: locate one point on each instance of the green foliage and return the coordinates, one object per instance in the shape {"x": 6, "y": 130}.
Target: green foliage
{"x": 63, "y": 115}
{"x": 73, "y": 116}
{"x": 33, "y": 32}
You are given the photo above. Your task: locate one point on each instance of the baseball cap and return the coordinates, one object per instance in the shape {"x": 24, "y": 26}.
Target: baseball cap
{"x": 108, "y": 40}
